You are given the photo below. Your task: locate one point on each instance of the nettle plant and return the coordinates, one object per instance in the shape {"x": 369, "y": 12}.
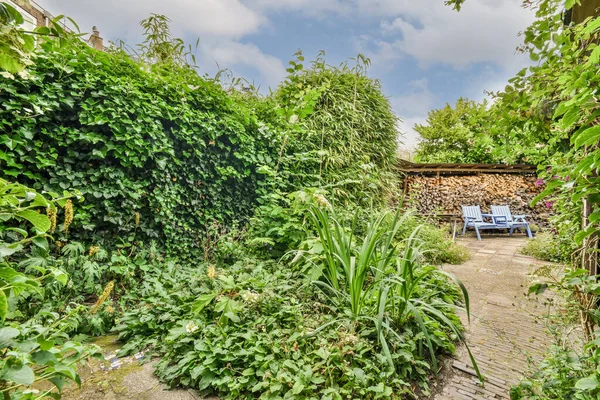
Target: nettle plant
{"x": 33, "y": 350}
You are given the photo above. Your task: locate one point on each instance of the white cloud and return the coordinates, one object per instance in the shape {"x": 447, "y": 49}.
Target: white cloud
{"x": 317, "y": 8}
{"x": 483, "y": 31}
{"x": 415, "y": 102}
{"x": 411, "y": 137}
{"x": 421, "y": 84}
{"x": 412, "y": 107}
{"x": 218, "y": 24}
{"x": 233, "y": 54}
{"x": 119, "y": 19}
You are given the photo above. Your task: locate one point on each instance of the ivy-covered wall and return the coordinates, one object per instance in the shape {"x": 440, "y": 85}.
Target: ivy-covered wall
{"x": 158, "y": 155}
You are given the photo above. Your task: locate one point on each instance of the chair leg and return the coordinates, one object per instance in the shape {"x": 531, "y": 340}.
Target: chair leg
{"x": 464, "y": 229}
{"x": 477, "y": 231}
{"x": 511, "y": 231}
{"x": 529, "y": 235}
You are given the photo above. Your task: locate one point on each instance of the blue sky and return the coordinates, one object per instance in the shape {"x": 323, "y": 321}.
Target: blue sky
{"x": 424, "y": 53}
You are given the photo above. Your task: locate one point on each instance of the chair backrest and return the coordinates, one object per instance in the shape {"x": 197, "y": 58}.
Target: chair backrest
{"x": 472, "y": 212}
{"x": 504, "y": 211}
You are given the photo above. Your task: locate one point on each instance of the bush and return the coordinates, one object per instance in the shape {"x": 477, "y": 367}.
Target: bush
{"x": 159, "y": 153}
{"x": 548, "y": 247}
{"x": 455, "y": 254}
{"x": 570, "y": 367}
{"x": 345, "y": 137}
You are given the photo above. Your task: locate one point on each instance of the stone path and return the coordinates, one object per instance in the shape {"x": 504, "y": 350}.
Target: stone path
{"x": 504, "y": 331}
{"x": 123, "y": 378}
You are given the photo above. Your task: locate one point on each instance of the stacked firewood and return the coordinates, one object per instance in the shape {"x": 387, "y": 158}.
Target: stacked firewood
{"x": 446, "y": 194}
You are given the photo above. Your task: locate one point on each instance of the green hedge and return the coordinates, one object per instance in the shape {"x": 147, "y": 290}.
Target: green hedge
{"x": 166, "y": 144}
{"x": 161, "y": 153}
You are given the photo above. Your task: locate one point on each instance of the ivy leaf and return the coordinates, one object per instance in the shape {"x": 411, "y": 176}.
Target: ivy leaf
{"x": 41, "y": 222}
{"x": 589, "y": 383}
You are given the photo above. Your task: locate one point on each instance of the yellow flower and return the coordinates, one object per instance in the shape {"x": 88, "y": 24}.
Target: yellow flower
{"x": 52, "y": 216}
{"x": 211, "y": 272}
{"x": 102, "y": 297}
{"x": 68, "y": 215}
{"x": 322, "y": 201}
{"x": 93, "y": 250}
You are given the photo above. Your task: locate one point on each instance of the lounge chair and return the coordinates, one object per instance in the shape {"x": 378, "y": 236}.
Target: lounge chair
{"x": 474, "y": 218}
{"x": 502, "y": 215}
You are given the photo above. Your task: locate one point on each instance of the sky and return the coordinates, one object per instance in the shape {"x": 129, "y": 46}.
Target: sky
{"x": 424, "y": 53}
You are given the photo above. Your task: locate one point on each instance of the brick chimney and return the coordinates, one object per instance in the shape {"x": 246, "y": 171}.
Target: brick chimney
{"x": 95, "y": 40}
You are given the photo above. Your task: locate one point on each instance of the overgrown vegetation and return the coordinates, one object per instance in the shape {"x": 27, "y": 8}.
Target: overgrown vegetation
{"x": 548, "y": 246}
{"x": 34, "y": 337}
{"x": 202, "y": 233}
{"x": 322, "y": 328}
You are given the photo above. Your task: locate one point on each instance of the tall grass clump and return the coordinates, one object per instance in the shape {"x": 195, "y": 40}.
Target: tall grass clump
{"x": 379, "y": 280}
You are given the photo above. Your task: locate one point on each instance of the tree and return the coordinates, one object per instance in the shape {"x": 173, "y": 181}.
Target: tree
{"x": 456, "y": 134}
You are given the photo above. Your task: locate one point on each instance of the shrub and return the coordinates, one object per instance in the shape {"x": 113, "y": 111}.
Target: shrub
{"x": 570, "y": 367}
{"x": 455, "y": 254}
{"x": 546, "y": 246}
{"x": 345, "y": 137}
{"x": 159, "y": 154}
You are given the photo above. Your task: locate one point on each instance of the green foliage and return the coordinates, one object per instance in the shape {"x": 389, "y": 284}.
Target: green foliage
{"x": 565, "y": 373}
{"x": 173, "y": 166}
{"x": 454, "y": 254}
{"x": 548, "y": 115}
{"x": 15, "y": 47}
{"x": 174, "y": 148}
{"x": 339, "y": 140}
{"x": 456, "y": 134}
{"x": 550, "y": 247}
{"x": 18, "y": 45}
{"x": 345, "y": 140}
{"x": 373, "y": 283}
{"x": 261, "y": 329}
{"x": 568, "y": 371}
{"x": 35, "y": 349}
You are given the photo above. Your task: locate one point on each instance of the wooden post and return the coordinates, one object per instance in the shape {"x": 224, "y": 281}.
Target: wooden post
{"x": 589, "y": 250}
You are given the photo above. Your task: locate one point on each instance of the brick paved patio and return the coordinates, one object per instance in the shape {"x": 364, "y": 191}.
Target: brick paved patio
{"x": 504, "y": 330}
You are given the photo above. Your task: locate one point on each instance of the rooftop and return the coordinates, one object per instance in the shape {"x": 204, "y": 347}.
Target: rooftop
{"x": 410, "y": 168}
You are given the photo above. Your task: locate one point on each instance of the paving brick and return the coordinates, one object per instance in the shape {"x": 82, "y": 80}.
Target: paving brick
{"x": 505, "y": 331}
